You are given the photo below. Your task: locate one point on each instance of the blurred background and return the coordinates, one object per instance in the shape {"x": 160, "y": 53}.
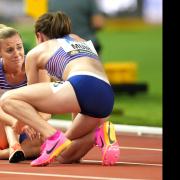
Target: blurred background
{"x": 131, "y": 41}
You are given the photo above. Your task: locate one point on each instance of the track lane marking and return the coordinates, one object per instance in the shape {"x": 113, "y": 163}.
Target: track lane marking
{"x": 130, "y": 163}
{"x": 140, "y": 148}
{"x": 119, "y": 162}
{"x": 64, "y": 176}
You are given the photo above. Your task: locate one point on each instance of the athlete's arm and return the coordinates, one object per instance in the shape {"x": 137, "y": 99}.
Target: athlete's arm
{"x": 36, "y": 75}
{"x": 43, "y": 76}
{"x": 32, "y": 71}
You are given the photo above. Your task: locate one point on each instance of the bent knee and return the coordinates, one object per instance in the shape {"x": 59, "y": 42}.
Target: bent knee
{"x": 6, "y": 104}
{"x": 7, "y": 94}
{"x": 6, "y": 98}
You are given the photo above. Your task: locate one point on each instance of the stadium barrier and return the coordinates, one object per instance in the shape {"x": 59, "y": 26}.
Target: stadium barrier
{"x": 121, "y": 73}
{"x": 123, "y": 77}
{"x": 139, "y": 130}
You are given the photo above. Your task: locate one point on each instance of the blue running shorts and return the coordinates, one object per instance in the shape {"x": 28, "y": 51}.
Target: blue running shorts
{"x": 22, "y": 137}
{"x": 95, "y": 96}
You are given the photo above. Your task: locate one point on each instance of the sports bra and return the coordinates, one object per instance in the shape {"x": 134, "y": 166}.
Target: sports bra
{"x": 69, "y": 51}
{"x": 4, "y": 85}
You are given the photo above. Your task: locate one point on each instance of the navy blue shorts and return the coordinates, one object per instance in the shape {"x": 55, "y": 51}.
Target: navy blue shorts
{"x": 22, "y": 137}
{"x": 95, "y": 96}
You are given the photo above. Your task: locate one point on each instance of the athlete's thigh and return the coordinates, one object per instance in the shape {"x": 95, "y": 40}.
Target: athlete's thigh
{"x": 48, "y": 97}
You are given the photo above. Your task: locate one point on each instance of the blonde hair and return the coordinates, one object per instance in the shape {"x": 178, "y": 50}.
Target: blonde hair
{"x": 7, "y": 32}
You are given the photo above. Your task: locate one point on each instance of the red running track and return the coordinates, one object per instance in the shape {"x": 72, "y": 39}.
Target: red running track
{"x": 141, "y": 158}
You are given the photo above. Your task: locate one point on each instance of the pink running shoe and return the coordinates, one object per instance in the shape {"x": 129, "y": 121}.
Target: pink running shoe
{"x": 106, "y": 140}
{"x": 52, "y": 147}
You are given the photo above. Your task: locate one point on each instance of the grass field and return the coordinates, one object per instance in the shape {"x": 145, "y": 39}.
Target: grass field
{"x": 141, "y": 44}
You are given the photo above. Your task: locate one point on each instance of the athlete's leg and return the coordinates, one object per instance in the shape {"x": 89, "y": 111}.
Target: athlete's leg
{"x": 74, "y": 153}
{"x": 82, "y": 125}
{"x": 16, "y": 153}
{"x": 4, "y": 152}
{"x": 3, "y": 139}
{"x": 9, "y": 139}
{"x": 31, "y": 149}
{"x": 80, "y": 146}
{"x": 24, "y": 103}
{"x": 77, "y": 150}
{"x": 11, "y": 136}
{"x": 53, "y": 100}
{"x": 6, "y": 119}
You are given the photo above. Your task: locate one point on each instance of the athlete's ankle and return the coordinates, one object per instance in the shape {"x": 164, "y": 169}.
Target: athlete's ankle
{"x": 15, "y": 145}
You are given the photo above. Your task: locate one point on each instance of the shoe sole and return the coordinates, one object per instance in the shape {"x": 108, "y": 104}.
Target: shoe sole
{"x": 16, "y": 157}
{"x": 55, "y": 154}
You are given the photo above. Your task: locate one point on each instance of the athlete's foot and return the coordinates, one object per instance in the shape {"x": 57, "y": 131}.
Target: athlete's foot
{"x": 52, "y": 147}
{"x": 16, "y": 153}
{"x": 106, "y": 140}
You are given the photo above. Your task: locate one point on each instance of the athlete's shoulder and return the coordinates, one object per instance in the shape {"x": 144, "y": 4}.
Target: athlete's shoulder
{"x": 37, "y": 50}
{"x": 76, "y": 37}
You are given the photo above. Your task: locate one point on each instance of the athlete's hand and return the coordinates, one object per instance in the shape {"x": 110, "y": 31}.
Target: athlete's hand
{"x": 17, "y": 126}
{"x": 30, "y": 132}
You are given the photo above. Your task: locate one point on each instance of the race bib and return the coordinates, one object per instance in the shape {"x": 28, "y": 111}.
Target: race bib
{"x": 72, "y": 47}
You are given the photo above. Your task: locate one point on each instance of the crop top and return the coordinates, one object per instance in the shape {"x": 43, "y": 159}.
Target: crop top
{"x": 69, "y": 51}
{"x": 4, "y": 85}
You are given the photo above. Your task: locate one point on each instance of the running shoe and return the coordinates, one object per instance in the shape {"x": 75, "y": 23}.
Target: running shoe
{"x": 16, "y": 153}
{"x": 107, "y": 142}
{"x": 52, "y": 147}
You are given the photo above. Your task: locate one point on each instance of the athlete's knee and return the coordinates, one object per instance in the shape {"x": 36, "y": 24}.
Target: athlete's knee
{"x": 3, "y": 98}
{"x": 6, "y": 95}
{"x": 6, "y": 104}
{"x": 6, "y": 100}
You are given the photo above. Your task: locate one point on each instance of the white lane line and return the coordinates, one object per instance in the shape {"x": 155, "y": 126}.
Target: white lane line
{"x": 140, "y": 148}
{"x": 119, "y": 162}
{"x": 130, "y": 163}
{"x": 63, "y": 176}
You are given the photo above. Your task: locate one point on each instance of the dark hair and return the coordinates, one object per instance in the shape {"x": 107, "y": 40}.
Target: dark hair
{"x": 53, "y": 24}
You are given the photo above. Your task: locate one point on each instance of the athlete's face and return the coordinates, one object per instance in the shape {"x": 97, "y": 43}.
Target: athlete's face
{"x": 12, "y": 51}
